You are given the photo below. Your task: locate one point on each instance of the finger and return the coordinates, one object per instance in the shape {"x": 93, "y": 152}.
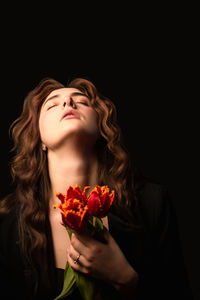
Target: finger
{"x": 76, "y": 248}
{"x": 103, "y": 236}
{"x": 89, "y": 240}
{"x": 74, "y": 256}
{"x": 89, "y": 249}
{"x": 83, "y": 237}
{"x": 77, "y": 262}
{"x": 79, "y": 246}
{"x": 77, "y": 259}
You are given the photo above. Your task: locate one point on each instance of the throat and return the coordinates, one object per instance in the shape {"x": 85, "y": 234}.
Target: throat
{"x": 70, "y": 171}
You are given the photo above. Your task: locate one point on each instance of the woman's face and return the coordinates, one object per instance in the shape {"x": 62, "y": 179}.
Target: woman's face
{"x": 67, "y": 112}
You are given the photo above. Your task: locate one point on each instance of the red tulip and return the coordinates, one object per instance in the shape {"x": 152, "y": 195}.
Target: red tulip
{"x": 100, "y": 201}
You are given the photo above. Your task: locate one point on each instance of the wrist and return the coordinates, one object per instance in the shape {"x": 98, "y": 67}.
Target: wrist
{"x": 127, "y": 282}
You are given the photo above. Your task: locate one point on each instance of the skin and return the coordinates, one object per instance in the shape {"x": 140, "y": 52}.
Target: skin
{"x": 72, "y": 160}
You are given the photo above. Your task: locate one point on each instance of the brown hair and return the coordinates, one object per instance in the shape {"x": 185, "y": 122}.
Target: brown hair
{"x": 30, "y": 172}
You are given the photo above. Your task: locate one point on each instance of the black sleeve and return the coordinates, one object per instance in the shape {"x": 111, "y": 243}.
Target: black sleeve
{"x": 12, "y": 284}
{"x": 163, "y": 274}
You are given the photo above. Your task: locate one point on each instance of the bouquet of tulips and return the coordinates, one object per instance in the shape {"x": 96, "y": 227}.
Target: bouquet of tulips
{"x": 82, "y": 212}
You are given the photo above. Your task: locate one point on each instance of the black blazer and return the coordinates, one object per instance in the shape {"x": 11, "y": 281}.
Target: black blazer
{"x": 155, "y": 252}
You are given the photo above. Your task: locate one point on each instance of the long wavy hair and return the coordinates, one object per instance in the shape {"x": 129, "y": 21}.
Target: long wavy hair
{"x": 29, "y": 166}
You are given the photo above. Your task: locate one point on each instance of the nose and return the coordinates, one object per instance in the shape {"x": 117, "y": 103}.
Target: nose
{"x": 69, "y": 102}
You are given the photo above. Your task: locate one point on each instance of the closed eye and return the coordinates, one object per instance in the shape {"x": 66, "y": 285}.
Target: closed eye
{"x": 51, "y": 106}
{"x": 82, "y": 102}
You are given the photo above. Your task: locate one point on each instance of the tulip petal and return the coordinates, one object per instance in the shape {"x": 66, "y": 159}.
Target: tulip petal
{"x": 94, "y": 204}
{"x": 70, "y": 192}
{"x": 61, "y": 197}
{"x": 76, "y": 206}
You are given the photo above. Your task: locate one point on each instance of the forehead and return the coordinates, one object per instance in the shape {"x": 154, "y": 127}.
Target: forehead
{"x": 63, "y": 91}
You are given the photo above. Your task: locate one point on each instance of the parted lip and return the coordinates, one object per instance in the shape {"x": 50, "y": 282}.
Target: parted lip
{"x": 70, "y": 112}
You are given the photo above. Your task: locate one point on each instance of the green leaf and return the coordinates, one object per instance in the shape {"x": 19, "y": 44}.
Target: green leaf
{"x": 85, "y": 285}
{"x": 98, "y": 224}
{"x": 69, "y": 282}
{"x": 90, "y": 229}
{"x": 69, "y": 232}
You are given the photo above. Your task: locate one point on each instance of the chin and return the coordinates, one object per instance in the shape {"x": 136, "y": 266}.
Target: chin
{"x": 72, "y": 127}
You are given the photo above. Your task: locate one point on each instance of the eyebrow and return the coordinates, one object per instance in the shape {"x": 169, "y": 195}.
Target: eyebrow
{"x": 71, "y": 95}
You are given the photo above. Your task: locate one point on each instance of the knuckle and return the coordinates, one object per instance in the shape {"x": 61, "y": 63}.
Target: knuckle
{"x": 73, "y": 239}
{"x": 94, "y": 250}
{"x": 88, "y": 270}
{"x": 93, "y": 253}
{"x": 90, "y": 257}
{"x": 73, "y": 243}
{"x": 70, "y": 251}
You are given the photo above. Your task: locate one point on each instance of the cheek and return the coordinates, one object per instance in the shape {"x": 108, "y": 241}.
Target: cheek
{"x": 46, "y": 126}
{"x": 92, "y": 118}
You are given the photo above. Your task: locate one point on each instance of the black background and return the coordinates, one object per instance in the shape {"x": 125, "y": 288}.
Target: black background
{"x": 147, "y": 68}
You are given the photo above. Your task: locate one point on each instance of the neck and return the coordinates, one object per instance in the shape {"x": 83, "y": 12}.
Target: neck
{"x": 70, "y": 167}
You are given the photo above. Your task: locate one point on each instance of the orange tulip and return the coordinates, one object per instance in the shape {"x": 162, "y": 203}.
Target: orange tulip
{"x": 73, "y": 207}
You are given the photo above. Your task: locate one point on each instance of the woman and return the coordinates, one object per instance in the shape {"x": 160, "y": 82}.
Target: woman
{"x": 68, "y": 135}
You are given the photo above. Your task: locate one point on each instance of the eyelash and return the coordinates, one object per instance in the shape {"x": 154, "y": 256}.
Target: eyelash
{"x": 84, "y": 103}
{"x": 51, "y": 106}
{"x": 78, "y": 102}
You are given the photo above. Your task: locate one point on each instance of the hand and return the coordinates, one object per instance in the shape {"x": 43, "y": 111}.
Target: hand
{"x": 104, "y": 261}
